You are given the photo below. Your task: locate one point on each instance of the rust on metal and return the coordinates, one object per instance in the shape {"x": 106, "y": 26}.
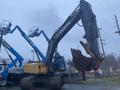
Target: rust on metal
{"x": 81, "y": 62}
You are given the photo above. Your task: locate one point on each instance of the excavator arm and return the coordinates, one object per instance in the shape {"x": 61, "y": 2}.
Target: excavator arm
{"x": 83, "y": 12}
{"x": 60, "y": 33}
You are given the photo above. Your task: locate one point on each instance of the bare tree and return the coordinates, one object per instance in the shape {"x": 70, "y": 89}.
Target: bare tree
{"x": 110, "y": 63}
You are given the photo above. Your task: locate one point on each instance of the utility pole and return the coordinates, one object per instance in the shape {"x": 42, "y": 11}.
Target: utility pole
{"x": 102, "y": 44}
{"x": 117, "y": 24}
{"x": 103, "y": 53}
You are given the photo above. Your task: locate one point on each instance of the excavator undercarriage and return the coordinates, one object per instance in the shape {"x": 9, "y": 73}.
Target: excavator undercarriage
{"x": 45, "y": 81}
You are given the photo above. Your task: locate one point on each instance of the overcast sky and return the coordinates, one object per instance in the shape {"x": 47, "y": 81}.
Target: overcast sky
{"x": 49, "y": 15}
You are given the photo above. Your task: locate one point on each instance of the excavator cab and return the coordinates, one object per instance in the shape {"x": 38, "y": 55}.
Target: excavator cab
{"x": 58, "y": 63}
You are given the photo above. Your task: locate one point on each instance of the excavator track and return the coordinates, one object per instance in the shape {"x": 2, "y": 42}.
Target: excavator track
{"x": 41, "y": 82}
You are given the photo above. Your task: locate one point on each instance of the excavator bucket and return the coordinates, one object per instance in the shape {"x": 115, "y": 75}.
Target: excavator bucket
{"x": 96, "y": 58}
{"x": 81, "y": 62}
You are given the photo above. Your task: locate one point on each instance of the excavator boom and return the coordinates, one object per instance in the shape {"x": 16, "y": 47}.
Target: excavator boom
{"x": 83, "y": 12}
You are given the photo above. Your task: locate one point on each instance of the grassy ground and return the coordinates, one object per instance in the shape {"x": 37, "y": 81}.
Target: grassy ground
{"x": 113, "y": 80}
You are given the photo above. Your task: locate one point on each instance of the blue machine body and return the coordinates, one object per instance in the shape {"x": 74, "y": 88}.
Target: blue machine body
{"x": 18, "y": 58}
{"x": 37, "y": 51}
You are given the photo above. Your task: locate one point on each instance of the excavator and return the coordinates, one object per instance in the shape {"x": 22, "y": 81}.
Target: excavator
{"x": 52, "y": 79}
{"x": 44, "y": 75}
